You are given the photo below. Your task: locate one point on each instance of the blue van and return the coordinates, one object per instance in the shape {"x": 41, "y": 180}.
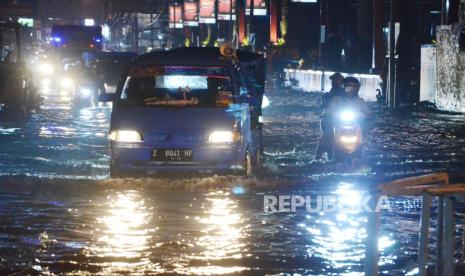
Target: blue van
{"x": 188, "y": 110}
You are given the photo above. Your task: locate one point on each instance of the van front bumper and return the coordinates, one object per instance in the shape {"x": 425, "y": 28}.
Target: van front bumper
{"x": 206, "y": 159}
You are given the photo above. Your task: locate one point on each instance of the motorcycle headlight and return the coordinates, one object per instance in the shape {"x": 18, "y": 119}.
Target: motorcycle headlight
{"x": 224, "y": 136}
{"x": 347, "y": 116}
{"x": 127, "y": 136}
{"x": 46, "y": 69}
{"x": 349, "y": 139}
{"x": 66, "y": 83}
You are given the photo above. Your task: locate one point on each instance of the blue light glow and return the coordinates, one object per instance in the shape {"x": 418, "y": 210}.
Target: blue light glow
{"x": 238, "y": 190}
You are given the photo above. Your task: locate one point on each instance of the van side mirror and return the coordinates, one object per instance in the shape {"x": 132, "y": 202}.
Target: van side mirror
{"x": 106, "y": 97}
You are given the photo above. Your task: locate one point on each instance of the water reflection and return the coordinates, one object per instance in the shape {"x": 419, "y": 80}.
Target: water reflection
{"x": 124, "y": 232}
{"x": 222, "y": 235}
{"x": 56, "y": 131}
{"x": 339, "y": 237}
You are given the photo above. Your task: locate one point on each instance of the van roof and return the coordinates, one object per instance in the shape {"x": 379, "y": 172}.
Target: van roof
{"x": 114, "y": 55}
{"x": 206, "y": 56}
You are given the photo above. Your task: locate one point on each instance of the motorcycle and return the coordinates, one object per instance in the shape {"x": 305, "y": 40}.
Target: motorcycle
{"x": 86, "y": 94}
{"x": 348, "y": 135}
{"x": 80, "y": 90}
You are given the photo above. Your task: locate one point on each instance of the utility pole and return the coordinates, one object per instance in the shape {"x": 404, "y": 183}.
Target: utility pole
{"x": 444, "y": 12}
{"x": 320, "y": 48}
{"x": 175, "y": 30}
{"x": 322, "y": 40}
{"x": 251, "y": 17}
{"x": 217, "y": 24}
{"x": 364, "y": 34}
{"x": 450, "y": 10}
{"x": 230, "y": 28}
{"x": 377, "y": 36}
{"x": 391, "y": 99}
{"x": 136, "y": 33}
{"x": 151, "y": 31}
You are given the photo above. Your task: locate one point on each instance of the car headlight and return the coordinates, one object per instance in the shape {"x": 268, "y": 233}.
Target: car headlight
{"x": 66, "y": 83}
{"x": 86, "y": 92}
{"x": 46, "y": 69}
{"x": 45, "y": 82}
{"x": 128, "y": 136}
{"x": 224, "y": 137}
{"x": 347, "y": 116}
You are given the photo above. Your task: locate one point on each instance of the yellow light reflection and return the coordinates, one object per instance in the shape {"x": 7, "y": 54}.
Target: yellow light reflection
{"x": 124, "y": 233}
{"x": 341, "y": 239}
{"x": 223, "y": 235}
{"x": 214, "y": 270}
{"x": 65, "y": 99}
{"x": 86, "y": 114}
{"x": 44, "y": 90}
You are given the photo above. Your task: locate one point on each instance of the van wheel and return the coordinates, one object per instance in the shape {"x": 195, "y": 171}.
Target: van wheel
{"x": 257, "y": 161}
{"x": 114, "y": 172}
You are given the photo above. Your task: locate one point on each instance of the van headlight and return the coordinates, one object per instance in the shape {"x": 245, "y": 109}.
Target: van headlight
{"x": 127, "y": 136}
{"x": 224, "y": 137}
{"x": 46, "y": 69}
{"x": 66, "y": 83}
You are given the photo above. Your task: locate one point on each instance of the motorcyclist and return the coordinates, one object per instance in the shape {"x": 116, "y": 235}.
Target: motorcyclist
{"x": 324, "y": 144}
{"x": 349, "y": 99}
{"x": 86, "y": 83}
{"x": 336, "y": 89}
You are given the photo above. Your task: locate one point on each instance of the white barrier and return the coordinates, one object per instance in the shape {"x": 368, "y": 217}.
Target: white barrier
{"x": 450, "y": 57}
{"x": 314, "y": 81}
{"x": 428, "y": 76}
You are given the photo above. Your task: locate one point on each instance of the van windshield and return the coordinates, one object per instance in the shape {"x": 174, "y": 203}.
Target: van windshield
{"x": 177, "y": 86}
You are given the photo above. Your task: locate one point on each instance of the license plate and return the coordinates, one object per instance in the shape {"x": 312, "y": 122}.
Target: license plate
{"x": 172, "y": 155}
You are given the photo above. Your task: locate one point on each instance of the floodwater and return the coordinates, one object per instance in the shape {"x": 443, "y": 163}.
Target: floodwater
{"x": 60, "y": 212}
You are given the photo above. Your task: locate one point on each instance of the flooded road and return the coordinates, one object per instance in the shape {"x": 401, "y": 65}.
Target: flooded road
{"x": 60, "y": 213}
{"x": 60, "y": 141}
